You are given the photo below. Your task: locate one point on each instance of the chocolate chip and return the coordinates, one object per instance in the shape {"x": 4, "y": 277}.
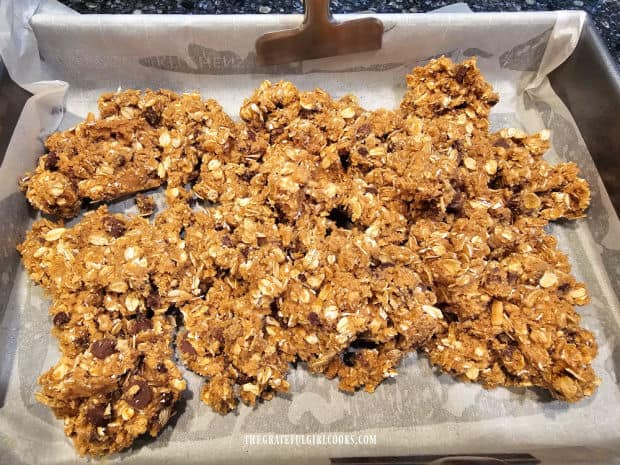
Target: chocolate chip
{"x": 496, "y": 182}
{"x": 204, "y": 287}
{"x": 348, "y": 358}
{"x": 227, "y": 242}
{"x": 96, "y": 415}
{"x": 82, "y": 342}
{"x": 121, "y": 160}
{"x": 508, "y": 352}
{"x": 571, "y": 336}
{"x": 512, "y": 278}
{"x": 273, "y": 137}
{"x": 280, "y": 214}
{"x": 142, "y": 396}
{"x": 242, "y": 378}
{"x": 362, "y": 151}
{"x": 345, "y": 158}
{"x": 371, "y": 190}
{"x": 103, "y": 348}
{"x": 302, "y": 277}
{"x": 61, "y": 318}
{"x": 494, "y": 277}
{"x": 314, "y": 319}
{"x": 492, "y": 99}
{"x": 153, "y": 300}
{"x": 152, "y": 116}
{"x": 439, "y": 109}
{"x": 514, "y": 204}
{"x": 261, "y": 241}
{"x": 504, "y": 338}
{"x": 114, "y": 226}
{"x": 456, "y": 204}
{"x": 460, "y": 151}
{"x": 187, "y": 347}
{"x": 166, "y": 398}
{"x": 161, "y": 368}
{"x": 95, "y": 438}
{"x": 563, "y": 287}
{"x": 95, "y": 299}
{"x": 341, "y": 217}
{"x": 251, "y": 135}
{"x": 363, "y": 130}
{"x": 51, "y": 161}
{"x": 461, "y": 71}
{"x": 141, "y": 323}
{"x": 248, "y": 175}
{"x": 363, "y": 344}
{"x": 218, "y": 333}
{"x": 502, "y": 142}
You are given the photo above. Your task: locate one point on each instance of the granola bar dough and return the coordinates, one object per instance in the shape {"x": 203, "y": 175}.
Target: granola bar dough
{"x": 103, "y": 418}
{"x": 116, "y": 379}
{"x": 501, "y": 281}
{"x": 512, "y": 320}
{"x": 303, "y": 229}
{"x": 449, "y": 93}
{"x": 141, "y": 141}
{"x": 322, "y": 233}
{"x": 281, "y": 295}
{"x": 135, "y": 264}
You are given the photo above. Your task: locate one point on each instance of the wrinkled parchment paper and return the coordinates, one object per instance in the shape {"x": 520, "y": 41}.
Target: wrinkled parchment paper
{"x": 66, "y": 60}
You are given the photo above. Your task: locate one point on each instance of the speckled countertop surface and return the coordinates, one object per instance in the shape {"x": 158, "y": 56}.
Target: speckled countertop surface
{"x": 606, "y": 13}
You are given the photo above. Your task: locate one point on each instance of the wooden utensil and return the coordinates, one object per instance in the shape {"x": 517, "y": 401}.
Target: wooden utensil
{"x": 319, "y": 36}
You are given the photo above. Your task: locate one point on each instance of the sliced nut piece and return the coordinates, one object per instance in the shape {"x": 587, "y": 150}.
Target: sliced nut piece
{"x": 118, "y": 286}
{"x": 214, "y": 164}
{"x": 548, "y": 279}
{"x": 497, "y": 313}
{"x": 490, "y": 167}
{"x": 470, "y": 163}
{"x": 347, "y": 113}
{"x": 472, "y": 373}
{"x": 432, "y": 311}
{"x": 164, "y": 139}
{"x": 306, "y": 104}
{"x": 127, "y": 413}
{"x": 531, "y": 200}
{"x": 250, "y": 387}
{"x": 98, "y": 239}
{"x": 56, "y": 191}
{"x": 377, "y": 151}
{"x": 130, "y": 253}
{"x": 54, "y": 234}
{"x": 132, "y": 303}
{"x": 579, "y": 295}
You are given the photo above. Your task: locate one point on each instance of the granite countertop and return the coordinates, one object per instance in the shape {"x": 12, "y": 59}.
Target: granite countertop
{"x": 605, "y": 13}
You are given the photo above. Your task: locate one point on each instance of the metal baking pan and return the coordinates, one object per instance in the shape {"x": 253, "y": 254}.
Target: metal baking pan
{"x": 587, "y": 82}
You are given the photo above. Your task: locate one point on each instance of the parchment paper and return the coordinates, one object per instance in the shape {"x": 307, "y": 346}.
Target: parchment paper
{"x": 67, "y": 60}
